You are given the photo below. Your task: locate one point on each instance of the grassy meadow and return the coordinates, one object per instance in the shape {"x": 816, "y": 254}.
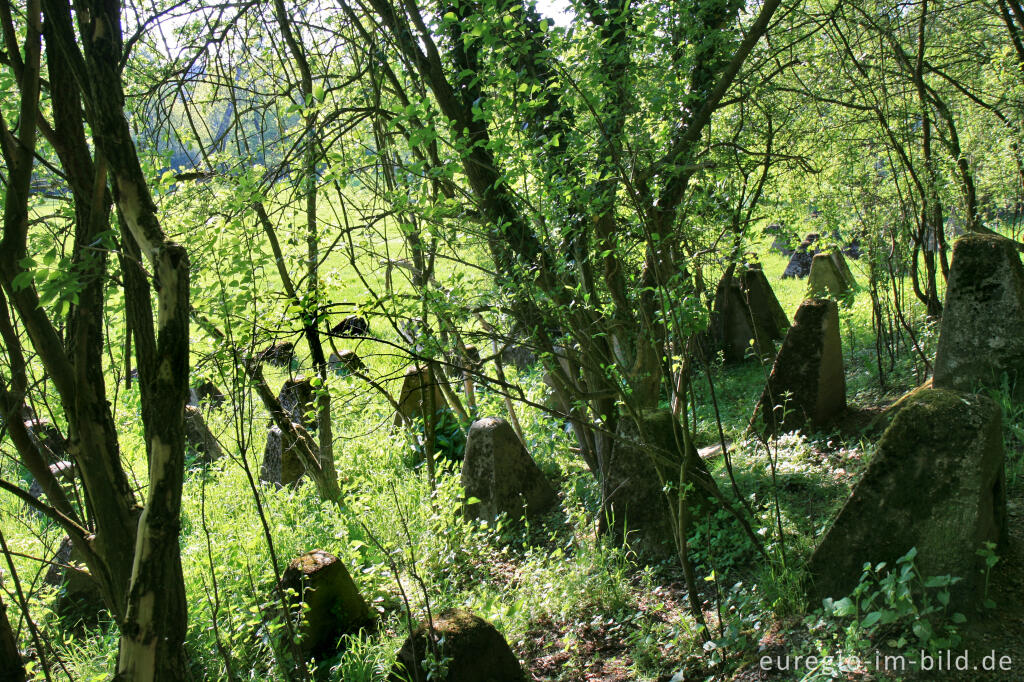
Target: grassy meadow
{"x": 572, "y": 606}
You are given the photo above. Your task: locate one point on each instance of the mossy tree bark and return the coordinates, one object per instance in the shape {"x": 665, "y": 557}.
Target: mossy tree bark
{"x": 106, "y": 540}
{"x": 597, "y": 304}
{"x": 12, "y": 668}
{"x": 153, "y": 630}
{"x": 132, "y": 552}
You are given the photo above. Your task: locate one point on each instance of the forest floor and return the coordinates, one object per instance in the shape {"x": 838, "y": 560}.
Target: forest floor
{"x": 572, "y": 607}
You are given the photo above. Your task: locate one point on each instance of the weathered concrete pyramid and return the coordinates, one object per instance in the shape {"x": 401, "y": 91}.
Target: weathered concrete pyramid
{"x": 281, "y": 463}
{"x": 472, "y": 648}
{"x": 331, "y": 605}
{"x": 807, "y": 384}
{"x": 499, "y": 472}
{"x": 420, "y": 394}
{"x": 746, "y": 315}
{"x": 206, "y": 392}
{"x": 780, "y": 241}
{"x": 198, "y": 437}
{"x": 422, "y": 404}
{"x": 800, "y": 262}
{"x": 764, "y": 306}
{"x": 647, "y": 455}
{"x": 935, "y": 483}
{"x": 830, "y": 276}
{"x": 345, "y": 362}
{"x": 296, "y": 397}
{"x": 982, "y": 332}
{"x": 839, "y": 259}
{"x": 79, "y": 599}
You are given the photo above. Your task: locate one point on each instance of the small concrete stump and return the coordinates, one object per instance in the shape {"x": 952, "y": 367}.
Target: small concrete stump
{"x": 281, "y": 464}
{"x": 981, "y": 337}
{"x": 799, "y": 265}
{"x": 936, "y": 483}
{"x": 280, "y": 355}
{"x": 638, "y": 509}
{"x": 206, "y": 392}
{"x": 296, "y": 397}
{"x": 418, "y": 390}
{"x": 827, "y": 279}
{"x": 807, "y": 384}
{"x": 78, "y": 598}
{"x": 345, "y": 362}
{"x": 499, "y": 472}
{"x": 334, "y": 608}
{"x": 199, "y": 440}
{"x": 475, "y": 650}
{"x": 351, "y": 326}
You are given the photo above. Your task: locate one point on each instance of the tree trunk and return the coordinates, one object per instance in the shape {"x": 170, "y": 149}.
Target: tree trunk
{"x": 12, "y": 668}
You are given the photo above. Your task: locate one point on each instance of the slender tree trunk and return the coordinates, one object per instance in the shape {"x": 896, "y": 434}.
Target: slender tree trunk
{"x": 12, "y": 667}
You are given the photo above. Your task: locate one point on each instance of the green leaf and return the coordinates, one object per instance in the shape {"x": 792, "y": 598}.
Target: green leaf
{"x": 871, "y": 619}
{"x": 22, "y": 280}
{"x": 844, "y": 607}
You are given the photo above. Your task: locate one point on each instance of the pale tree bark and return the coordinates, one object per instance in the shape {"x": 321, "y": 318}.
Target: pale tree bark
{"x": 138, "y": 574}
{"x": 310, "y": 158}
{"x": 153, "y": 626}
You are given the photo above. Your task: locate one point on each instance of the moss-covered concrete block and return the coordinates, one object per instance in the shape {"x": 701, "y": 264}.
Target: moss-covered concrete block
{"x": 762, "y": 302}
{"x": 420, "y": 396}
{"x": 807, "y": 384}
{"x": 499, "y": 472}
{"x": 470, "y": 647}
{"x": 281, "y": 464}
{"x": 981, "y": 334}
{"x": 79, "y": 601}
{"x": 297, "y": 399}
{"x": 746, "y": 315}
{"x": 830, "y": 276}
{"x": 935, "y": 483}
{"x": 333, "y": 605}
{"x": 799, "y": 265}
{"x": 345, "y": 362}
{"x": 640, "y": 482}
{"x": 198, "y": 437}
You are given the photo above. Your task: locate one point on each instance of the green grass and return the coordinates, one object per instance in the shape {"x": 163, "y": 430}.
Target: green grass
{"x": 554, "y": 589}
